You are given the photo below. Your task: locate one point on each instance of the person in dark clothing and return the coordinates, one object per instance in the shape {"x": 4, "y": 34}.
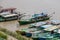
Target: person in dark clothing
{"x": 52, "y": 32}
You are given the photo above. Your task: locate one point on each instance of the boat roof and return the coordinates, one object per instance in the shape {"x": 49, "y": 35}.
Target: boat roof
{"x": 47, "y": 26}
{"x": 38, "y": 24}
{"x": 7, "y": 14}
{"x": 8, "y": 9}
{"x": 55, "y": 21}
{"x": 51, "y": 28}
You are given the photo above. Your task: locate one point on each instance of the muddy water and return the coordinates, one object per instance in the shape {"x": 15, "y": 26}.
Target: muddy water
{"x": 12, "y": 25}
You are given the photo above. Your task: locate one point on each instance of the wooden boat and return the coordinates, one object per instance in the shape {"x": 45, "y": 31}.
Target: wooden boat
{"x": 33, "y": 18}
{"x": 6, "y": 16}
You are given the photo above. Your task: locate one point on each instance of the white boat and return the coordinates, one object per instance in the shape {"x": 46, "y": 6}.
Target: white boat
{"x": 6, "y": 16}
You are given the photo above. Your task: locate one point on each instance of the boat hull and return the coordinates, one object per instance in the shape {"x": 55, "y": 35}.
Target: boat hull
{"x": 28, "y": 22}
{"x": 3, "y": 19}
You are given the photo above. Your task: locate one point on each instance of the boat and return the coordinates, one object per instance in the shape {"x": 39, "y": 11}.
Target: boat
{"x": 25, "y": 31}
{"x": 42, "y": 27}
{"x": 51, "y": 22}
{"x": 45, "y": 36}
{"x": 7, "y": 16}
{"x": 39, "y": 30}
{"x": 33, "y": 18}
{"x": 55, "y": 22}
{"x": 38, "y": 24}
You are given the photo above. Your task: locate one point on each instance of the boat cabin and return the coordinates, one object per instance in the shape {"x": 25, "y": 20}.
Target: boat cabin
{"x": 8, "y": 16}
